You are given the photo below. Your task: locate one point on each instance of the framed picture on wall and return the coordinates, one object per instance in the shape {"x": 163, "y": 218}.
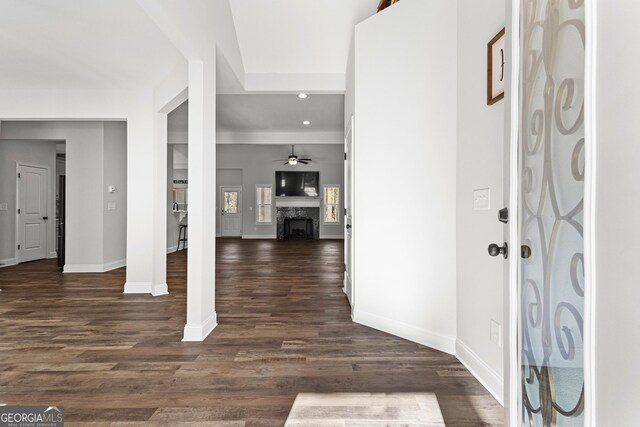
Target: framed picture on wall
{"x": 495, "y": 68}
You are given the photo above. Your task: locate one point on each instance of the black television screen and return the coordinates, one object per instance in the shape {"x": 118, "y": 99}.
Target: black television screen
{"x": 297, "y": 184}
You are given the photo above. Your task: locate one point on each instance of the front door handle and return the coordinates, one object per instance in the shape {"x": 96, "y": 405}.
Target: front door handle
{"x": 495, "y": 250}
{"x": 348, "y": 226}
{"x": 45, "y": 218}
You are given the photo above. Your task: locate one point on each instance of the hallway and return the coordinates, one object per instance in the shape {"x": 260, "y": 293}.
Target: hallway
{"x": 284, "y": 328}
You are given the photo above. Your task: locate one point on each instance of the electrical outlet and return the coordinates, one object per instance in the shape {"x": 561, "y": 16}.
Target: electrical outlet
{"x": 496, "y": 333}
{"x": 4, "y": 206}
{"x": 111, "y": 206}
{"x": 482, "y": 199}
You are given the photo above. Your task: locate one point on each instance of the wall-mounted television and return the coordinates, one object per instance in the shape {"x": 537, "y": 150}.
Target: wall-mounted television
{"x": 297, "y": 184}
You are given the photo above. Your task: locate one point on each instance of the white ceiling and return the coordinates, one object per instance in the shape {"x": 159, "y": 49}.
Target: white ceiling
{"x": 88, "y": 43}
{"x": 297, "y": 36}
{"x": 280, "y": 113}
{"x": 270, "y": 113}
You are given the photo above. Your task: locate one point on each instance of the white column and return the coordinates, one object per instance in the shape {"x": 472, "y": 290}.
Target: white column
{"x": 146, "y": 223}
{"x": 201, "y": 314}
{"x": 160, "y": 207}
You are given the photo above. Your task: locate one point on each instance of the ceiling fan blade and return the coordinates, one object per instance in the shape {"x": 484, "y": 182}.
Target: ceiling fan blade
{"x": 306, "y": 160}
{"x": 286, "y": 163}
{"x": 303, "y": 162}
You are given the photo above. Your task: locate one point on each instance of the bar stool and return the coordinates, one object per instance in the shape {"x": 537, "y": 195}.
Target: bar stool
{"x": 182, "y": 236}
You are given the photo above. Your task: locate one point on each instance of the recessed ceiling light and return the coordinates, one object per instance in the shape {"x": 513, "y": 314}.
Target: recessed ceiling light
{"x": 306, "y": 123}
{"x": 302, "y": 95}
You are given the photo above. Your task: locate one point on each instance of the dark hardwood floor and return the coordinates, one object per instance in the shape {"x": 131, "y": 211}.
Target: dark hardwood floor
{"x": 284, "y": 328}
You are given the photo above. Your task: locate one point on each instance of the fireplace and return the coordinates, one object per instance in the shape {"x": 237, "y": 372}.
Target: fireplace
{"x": 298, "y": 229}
{"x": 298, "y": 223}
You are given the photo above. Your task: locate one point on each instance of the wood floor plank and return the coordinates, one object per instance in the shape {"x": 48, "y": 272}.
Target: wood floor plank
{"x": 118, "y": 360}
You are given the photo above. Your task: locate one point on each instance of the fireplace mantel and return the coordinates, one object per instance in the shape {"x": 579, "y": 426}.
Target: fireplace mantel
{"x": 297, "y": 202}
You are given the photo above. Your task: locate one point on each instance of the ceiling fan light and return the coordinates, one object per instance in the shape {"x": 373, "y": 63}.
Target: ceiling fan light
{"x": 302, "y": 95}
{"x": 293, "y": 161}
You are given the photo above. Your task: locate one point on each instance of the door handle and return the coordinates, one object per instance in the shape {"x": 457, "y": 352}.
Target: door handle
{"x": 495, "y": 250}
{"x": 348, "y": 226}
{"x": 45, "y": 218}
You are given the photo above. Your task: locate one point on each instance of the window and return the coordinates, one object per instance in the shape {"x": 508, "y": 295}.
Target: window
{"x": 331, "y": 204}
{"x": 231, "y": 202}
{"x": 263, "y": 204}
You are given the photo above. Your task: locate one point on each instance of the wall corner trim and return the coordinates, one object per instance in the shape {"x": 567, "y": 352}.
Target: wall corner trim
{"x": 198, "y": 332}
{"x": 493, "y": 382}
{"x": 422, "y": 336}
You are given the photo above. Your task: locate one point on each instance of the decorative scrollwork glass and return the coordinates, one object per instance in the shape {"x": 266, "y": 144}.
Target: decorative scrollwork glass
{"x": 552, "y": 150}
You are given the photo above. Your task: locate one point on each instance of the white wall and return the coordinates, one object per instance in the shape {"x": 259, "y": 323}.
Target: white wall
{"x": 257, "y": 167}
{"x": 405, "y": 172}
{"x": 480, "y": 164}
{"x": 115, "y": 174}
{"x": 617, "y": 214}
{"x": 41, "y": 153}
{"x": 86, "y": 248}
{"x": 84, "y": 148}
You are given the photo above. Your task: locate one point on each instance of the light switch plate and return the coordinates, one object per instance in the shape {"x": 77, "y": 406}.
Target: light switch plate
{"x": 4, "y": 206}
{"x": 111, "y": 206}
{"x": 482, "y": 199}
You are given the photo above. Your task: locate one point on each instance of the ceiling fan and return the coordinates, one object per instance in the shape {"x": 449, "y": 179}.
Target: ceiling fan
{"x": 294, "y": 160}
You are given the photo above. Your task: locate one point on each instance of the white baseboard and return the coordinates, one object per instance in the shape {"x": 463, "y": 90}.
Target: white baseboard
{"x": 422, "y": 336}
{"x": 138, "y": 288}
{"x": 489, "y": 378}
{"x": 218, "y": 235}
{"x": 114, "y": 265}
{"x": 258, "y": 237}
{"x": 83, "y": 268}
{"x": 94, "y": 268}
{"x": 197, "y": 333}
{"x": 53, "y": 254}
{"x": 159, "y": 289}
{"x": 156, "y": 290}
{"x": 328, "y": 237}
{"x": 8, "y": 262}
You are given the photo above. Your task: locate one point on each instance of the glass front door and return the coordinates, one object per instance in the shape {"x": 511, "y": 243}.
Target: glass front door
{"x": 552, "y": 159}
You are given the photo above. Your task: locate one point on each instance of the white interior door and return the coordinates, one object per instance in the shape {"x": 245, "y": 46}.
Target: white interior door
{"x": 33, "y": 196}
{"x": 551, "y": 149}
{"x": 231, "y": 211}
{"x": 348, "y": 220}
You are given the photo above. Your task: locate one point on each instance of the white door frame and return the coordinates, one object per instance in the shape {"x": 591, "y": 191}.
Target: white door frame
{"x": 512, "y": 389}
{"x": 16, "y": 254}
{"x": 349, "y": 205}
{"x": 237, "y": 188}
